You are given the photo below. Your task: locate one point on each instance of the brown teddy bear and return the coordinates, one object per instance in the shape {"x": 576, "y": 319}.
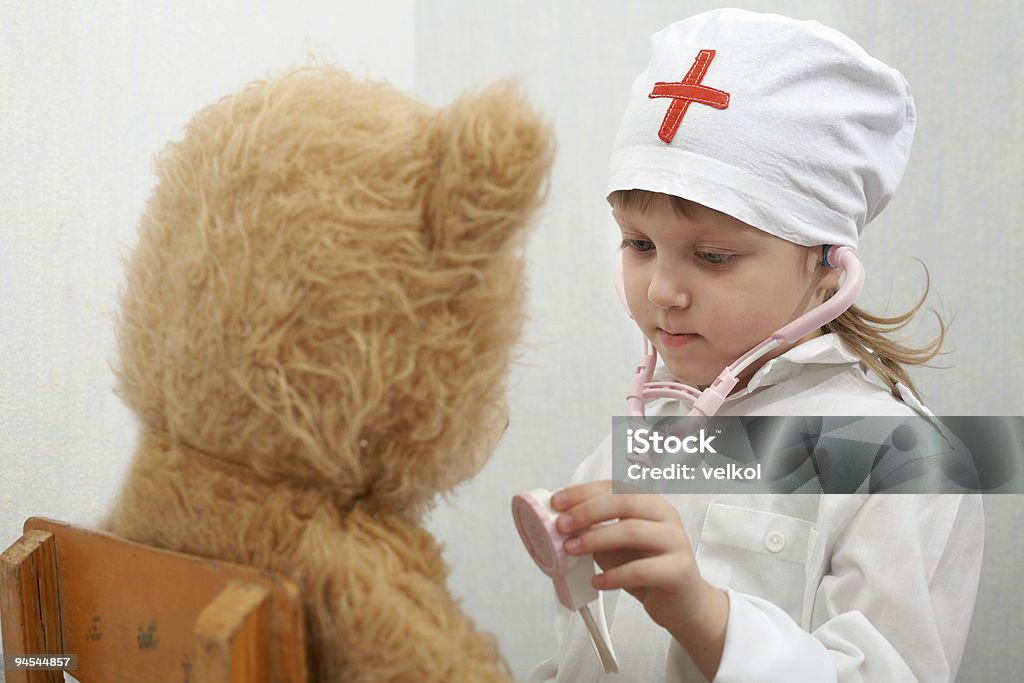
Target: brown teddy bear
{"x": 315, "y": 331}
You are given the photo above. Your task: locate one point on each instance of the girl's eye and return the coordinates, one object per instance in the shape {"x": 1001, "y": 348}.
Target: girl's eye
{"x": 714, "y": 258}
{"x": 638, "y": 245}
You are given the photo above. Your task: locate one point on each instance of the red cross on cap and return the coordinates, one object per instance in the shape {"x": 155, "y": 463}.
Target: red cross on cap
{"x": 686, "y": 91}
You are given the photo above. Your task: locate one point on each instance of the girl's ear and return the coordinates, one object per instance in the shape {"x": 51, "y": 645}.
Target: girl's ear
{"x": 831, "y": 279}
{"x": 492, "y": 153}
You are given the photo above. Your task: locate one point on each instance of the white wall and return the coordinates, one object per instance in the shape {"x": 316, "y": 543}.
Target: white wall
{"x": 89, "y": 91}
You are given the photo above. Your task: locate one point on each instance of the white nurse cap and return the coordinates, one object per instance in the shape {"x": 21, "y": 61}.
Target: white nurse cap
{"x": 787, "y": 125}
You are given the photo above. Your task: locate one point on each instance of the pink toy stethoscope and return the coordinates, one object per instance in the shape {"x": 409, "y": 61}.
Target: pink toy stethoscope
{"x": 704, "y": 404}
{"x": 532, "y": 511}
{"x": 571, "y": 574}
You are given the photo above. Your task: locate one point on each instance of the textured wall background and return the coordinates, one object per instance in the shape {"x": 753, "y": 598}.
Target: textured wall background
{"x": 90, "y": 91}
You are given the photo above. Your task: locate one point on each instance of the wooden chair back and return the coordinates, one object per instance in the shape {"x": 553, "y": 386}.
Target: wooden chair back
{"x": 135, "y": 613}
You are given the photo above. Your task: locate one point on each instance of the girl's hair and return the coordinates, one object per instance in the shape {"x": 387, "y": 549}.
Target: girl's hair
{"x": 866, "y": 334}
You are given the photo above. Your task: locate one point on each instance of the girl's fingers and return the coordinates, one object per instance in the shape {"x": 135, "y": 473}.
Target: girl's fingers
{"x": 629, "y": 534}
{"x": 573, "y": 495}
{"x": 608, "y": 506}
{"x": 662, "y": 572}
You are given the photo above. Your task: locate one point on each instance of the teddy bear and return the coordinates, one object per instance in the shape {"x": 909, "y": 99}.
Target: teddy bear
{"x": 314, "y": 334}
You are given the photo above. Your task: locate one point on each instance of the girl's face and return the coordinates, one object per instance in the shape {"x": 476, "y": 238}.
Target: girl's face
{"x": 706, "y": 290}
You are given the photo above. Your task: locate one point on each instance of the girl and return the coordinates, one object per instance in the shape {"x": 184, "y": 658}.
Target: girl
{"x": 751, "y": 141}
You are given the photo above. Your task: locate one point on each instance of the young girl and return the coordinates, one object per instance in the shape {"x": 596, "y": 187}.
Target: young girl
{"x": 751, "y": 141}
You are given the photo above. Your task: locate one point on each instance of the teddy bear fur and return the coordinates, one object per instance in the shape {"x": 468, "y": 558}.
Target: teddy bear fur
{"x": 315, "y": 330}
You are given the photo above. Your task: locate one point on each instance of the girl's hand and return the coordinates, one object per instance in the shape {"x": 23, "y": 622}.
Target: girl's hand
{"x": 646, "y": 552}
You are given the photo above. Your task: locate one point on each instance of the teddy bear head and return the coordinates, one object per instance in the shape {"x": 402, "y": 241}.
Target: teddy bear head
{"x": 327, "y": 286}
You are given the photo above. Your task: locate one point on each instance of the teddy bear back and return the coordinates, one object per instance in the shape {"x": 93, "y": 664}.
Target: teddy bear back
{"x": 328, "y": 283}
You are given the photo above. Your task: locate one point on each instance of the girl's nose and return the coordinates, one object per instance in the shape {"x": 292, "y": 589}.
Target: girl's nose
{"x": 667, "y": 290}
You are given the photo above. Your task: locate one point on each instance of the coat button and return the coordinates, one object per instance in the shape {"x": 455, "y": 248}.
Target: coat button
{"x": 775, "y": 541}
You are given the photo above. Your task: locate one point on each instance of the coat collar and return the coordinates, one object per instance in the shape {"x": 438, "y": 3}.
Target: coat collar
{"x": 828, "y": 349}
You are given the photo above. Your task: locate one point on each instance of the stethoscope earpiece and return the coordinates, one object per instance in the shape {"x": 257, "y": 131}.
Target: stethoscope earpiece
{"x": 824, "y": 257}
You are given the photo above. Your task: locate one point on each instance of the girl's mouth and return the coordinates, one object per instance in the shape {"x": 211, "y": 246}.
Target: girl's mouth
{"x": 675, "y": 340}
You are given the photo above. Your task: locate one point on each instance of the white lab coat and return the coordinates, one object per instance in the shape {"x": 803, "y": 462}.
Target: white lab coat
{"x": 875, "y": 588}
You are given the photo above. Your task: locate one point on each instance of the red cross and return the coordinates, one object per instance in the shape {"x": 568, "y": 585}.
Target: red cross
{"x": 686, "y": 91}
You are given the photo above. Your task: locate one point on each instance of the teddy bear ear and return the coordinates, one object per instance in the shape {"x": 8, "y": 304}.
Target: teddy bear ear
{"x": 493, "y": 153}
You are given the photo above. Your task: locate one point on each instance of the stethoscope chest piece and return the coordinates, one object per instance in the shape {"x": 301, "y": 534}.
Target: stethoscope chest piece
{"x": 572, "y": 575}
{"x": 536, "y": 528}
